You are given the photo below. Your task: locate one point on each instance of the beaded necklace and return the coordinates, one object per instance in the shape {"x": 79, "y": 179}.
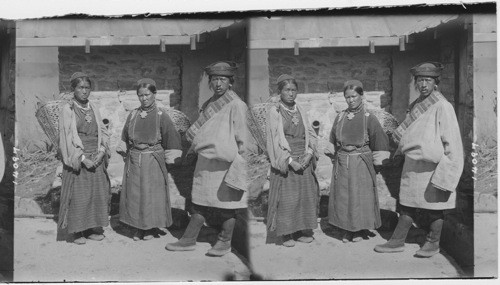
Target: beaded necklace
{"x": 145, "y": 111}
{"x": 86, "y": 110}
{"x": 350, "y": 114}
{"x": 293, "y": 112}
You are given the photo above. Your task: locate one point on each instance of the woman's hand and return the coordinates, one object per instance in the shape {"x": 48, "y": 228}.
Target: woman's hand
{"x": 88, "y": 163}
{"x": 304, "y": 161}
{"x": 97, "y": 160}
{"x": 329, "y": 151}
{"x": 295, "y": 165}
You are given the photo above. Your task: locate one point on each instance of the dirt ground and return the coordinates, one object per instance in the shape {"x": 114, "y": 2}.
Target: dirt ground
{"x": 486, "y": 245}
{"x": 39, "y": 257}
{"x": 327, "y": 257}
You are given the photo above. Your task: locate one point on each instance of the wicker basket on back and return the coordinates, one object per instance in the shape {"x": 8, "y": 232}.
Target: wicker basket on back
{"x": 259, "y": 163}
{"x": 48, "y": 113}
{"x": 257, "y": 121}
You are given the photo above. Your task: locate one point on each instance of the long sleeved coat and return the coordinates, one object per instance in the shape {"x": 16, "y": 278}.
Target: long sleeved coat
{"x": 70, "y": 144}
{"x": 277, "y": 146}
{"x": 434, "y": 159}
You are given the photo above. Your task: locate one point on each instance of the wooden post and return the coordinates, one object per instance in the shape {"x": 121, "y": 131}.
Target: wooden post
{"x": 372, "y": 47}
{"x": 192, "y": 40}
{"x": 402, "y": 43}
{"x": 296, "y": 48}
{"x": 162, "y": 45}
{"x": 87, "y": 46}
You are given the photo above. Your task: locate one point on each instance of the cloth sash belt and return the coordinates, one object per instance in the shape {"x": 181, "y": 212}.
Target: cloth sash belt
{"x": 365, "y": 154}
{"x": 208, "y": 113}
{"x": 416, "y": 110}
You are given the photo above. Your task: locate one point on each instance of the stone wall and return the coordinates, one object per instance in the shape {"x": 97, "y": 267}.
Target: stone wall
{"x": 119, "y": 67}
{"x": 320, "y": 70}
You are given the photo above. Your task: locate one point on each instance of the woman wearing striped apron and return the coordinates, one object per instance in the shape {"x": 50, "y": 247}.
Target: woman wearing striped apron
{"x": 294, "y": 190}
{"x": 84, "y": 149}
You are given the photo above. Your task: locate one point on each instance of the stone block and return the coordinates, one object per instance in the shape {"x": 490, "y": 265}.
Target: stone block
{"x": 79, "y": 58}
{"x": 485, "y": 203}
{"x": 57, "y": 177}
{"x": 306, "y": 60}
{"x": 26, "y": 206}
{"x": 290, "y": 61}
{"x": 317, "y": 87}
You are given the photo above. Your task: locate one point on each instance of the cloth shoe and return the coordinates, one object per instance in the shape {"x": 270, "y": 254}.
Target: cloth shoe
{"x": 148, "y": 234}
{"x": 347, "y": 237}
{"x": 397, "y": 241}
{"x": 288, "y": 241}
{"x": 138, "y": 235}
{"x": 188, "y": 239}
{"x": 96, "y": 237}
{"x": 357, "y": 236}
{"x": 223, "y": 244}
{"x": 79, "y": 238}
{"x": 431, "y": 245}
{"x": 305, "y": 238}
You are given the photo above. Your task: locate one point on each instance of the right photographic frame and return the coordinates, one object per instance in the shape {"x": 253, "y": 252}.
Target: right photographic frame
{"x": 377, "y": 143}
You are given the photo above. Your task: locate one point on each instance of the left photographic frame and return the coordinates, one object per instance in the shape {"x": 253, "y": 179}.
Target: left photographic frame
{"x": 8, "y": 153}
{"x": 98, "y": 140}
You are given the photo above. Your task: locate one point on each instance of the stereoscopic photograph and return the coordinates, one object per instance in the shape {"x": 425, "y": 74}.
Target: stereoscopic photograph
{"x": 283, "y": 145}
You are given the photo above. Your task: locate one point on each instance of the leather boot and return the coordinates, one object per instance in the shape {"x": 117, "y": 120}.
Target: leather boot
{"x": 223, "y": 244}
{"x": 431, "y": 245}
{"x": 397, "y": 241}
{"x": 188, "y": 240}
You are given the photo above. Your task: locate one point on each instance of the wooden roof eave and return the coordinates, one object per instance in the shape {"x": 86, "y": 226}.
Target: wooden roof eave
{"x": 102, "y": 41}
{"x": 324, "y": 42}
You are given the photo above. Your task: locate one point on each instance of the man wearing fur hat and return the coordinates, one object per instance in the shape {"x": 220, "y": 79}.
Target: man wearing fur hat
{"x": 218, "y": 138}
{"x": 429, "y": 138}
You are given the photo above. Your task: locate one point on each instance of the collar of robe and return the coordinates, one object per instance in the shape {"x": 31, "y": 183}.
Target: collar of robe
{"x": 351, "y": 113}
{"x": 145, "y": 111}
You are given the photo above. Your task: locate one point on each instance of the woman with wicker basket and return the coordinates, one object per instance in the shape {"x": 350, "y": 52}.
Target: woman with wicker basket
{"x": 359, "y": 143}
{"x": 151, "y": 142}
{"x": 219, "y": 138}
{"x": 84, "y": 149}
{"x": 294, "y": 190}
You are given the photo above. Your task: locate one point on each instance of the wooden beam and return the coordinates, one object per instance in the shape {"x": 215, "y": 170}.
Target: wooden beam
{"x": 162, "y": 45}
{"x": 106, "y": 41}
{"x": 484, "y": 37}
{"x": 402, "y": 43}
{"x": 87, "y": 46}
{"x": 192, "y": 42}
{"x": 322, "y": 42}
